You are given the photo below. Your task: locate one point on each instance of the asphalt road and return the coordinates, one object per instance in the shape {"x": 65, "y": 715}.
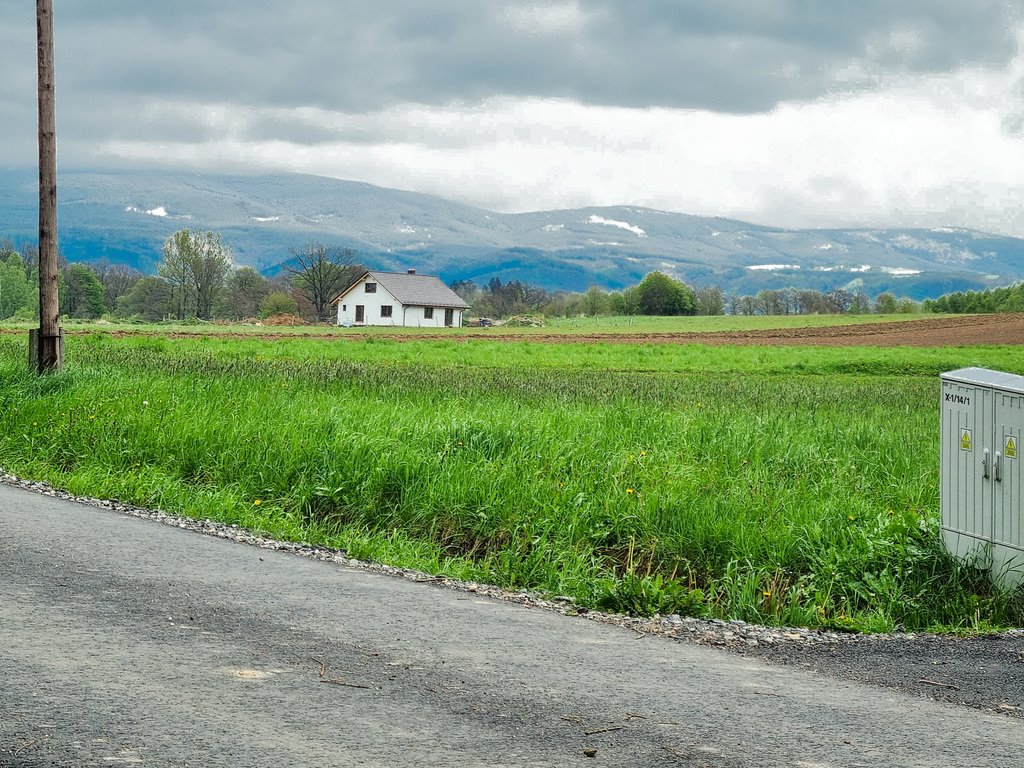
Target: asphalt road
{"x": 127, "y": 642}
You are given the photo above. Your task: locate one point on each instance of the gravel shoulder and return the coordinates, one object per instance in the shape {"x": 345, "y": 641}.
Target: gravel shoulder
{"x": 984, "y": 672}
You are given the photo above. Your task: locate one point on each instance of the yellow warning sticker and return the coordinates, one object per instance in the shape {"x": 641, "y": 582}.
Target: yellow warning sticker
{"x": 965, "y": 439}
{"x": 1010, "y": 450}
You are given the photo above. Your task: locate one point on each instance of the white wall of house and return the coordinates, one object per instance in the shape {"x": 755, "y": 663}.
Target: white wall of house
{"x": 416, "y": 317}
{"x": 373, "y": 303}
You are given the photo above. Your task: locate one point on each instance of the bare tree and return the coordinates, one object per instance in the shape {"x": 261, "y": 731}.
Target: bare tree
{"x": 116, "y": 279}
{"x": 320, "y": 272}
{"x": 710, "y": 300}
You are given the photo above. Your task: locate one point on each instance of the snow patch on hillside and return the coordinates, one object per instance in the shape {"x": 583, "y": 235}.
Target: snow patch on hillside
{"x": 620, "y": 224}
{"x": 158, "y": 211}
{"x": 265, "y": 218}
{"x": 772, "y": 267}
{"x": 944, "y": 252}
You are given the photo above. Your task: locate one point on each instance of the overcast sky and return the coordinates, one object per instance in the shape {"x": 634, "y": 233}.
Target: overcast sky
{"x": 787, "y": 112}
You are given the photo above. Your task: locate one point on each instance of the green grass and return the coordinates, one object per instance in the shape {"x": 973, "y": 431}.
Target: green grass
{"x": 787, "y": 486}
{"x": 574, "y": 357}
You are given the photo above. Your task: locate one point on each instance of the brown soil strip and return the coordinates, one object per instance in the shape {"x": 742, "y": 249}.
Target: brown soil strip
{"x": 1002, "y": 329}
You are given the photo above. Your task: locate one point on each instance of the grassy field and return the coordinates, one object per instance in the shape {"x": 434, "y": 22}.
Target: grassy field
{"x": 787, "y": 486}
{"x": 527, "y": 355}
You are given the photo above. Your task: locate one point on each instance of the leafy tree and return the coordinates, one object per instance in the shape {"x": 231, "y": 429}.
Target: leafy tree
{"x": 150, "y": 299}
{"x": 278, "y": 303}
{"x": 195, "y": 265}
{"x": 625, "y": 302}
{"x": 1009, "y": 298}
{"x": 15, "y": 289}
{"x": 321, "y": 272}
{"x": 885, "y": 304}
{"x": 245, "y": 289}
{"x": 595, "y": 302}
{"x": 659, "y": 294}
{"x": 81, "y": 294}
{"x": 860, "y": 304}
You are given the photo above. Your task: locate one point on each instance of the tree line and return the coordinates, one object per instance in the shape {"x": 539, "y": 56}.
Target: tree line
{"x": 1008, "y": 298}
{"x": 195, "y": 278}
{"x": 661, "y": 294}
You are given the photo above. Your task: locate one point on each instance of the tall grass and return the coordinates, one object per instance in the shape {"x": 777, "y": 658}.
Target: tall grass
{"x": 390, "y": 354}
{"x": 791, "y": 498}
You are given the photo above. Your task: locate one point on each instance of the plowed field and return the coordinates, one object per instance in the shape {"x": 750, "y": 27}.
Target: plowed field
{"x": 1002, "y": 329}
{"x": 930, "y": 332}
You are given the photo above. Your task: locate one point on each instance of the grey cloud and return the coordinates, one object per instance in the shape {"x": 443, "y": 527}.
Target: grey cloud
{"x": 729, "y": 54}
{"x": 351, "y": 56}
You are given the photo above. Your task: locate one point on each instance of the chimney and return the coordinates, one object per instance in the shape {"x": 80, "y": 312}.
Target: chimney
{"x": 411, "y": 271}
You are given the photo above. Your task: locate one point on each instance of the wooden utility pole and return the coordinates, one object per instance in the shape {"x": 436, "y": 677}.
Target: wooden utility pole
{"x": 46, "y": 346}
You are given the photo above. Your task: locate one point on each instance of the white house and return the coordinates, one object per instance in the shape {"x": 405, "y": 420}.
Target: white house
{"x": 400, "y": 298}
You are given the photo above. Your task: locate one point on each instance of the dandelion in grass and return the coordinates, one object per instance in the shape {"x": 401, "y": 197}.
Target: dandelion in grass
{"x": 257, "y": 502}
{"x": 630, "y": 491}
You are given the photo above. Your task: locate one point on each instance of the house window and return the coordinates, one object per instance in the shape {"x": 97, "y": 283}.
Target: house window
{"x": 385, "y": 311}
{"x": 371, "y": 287}
{"x": 428, "y": 313}
{"x": 344, "y": 307}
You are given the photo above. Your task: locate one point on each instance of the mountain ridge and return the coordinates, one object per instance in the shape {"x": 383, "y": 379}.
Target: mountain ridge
{"x": 125, "y": 216}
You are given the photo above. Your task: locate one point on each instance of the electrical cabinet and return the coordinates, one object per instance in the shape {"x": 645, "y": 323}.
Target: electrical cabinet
{"x": 981, "y": 477}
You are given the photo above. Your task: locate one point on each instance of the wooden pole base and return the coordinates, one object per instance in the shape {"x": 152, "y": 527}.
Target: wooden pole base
{"x": 45, "y": 353}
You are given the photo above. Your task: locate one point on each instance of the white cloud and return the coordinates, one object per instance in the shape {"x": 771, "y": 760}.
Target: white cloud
{"x": 538, "y": 18}
{"x": 923, "y": 151}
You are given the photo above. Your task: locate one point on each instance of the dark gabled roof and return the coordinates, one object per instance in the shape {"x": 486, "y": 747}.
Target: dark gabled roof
{"x": 412, "y": 290}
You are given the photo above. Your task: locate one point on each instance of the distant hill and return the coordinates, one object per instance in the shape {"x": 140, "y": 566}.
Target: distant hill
{"x": 126, "y": 216}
